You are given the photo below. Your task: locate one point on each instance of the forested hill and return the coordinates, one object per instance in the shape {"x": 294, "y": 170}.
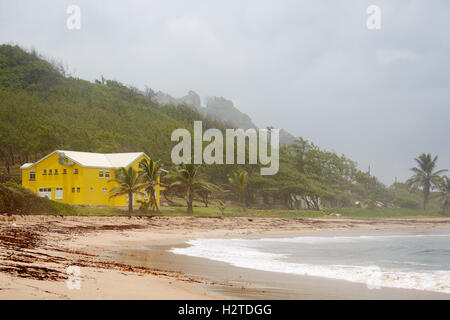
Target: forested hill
{"x": 41, "y": 110}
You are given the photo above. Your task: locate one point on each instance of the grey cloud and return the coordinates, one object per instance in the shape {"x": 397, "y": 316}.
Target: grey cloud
{"x": 312, "y": 67}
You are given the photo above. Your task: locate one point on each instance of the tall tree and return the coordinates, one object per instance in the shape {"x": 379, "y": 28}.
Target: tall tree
{"x": 238, "y": 181}
{"x": 129, "y": 183}
{"x": 188, "y": 180}
{"x": 150, "y": 172}
{"x": 424, "y": 175}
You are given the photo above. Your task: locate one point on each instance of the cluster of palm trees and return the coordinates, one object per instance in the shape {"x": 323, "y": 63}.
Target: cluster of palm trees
{"x": 132, "y": 182}
{"x": 189, "y": 181}
{"x": 426, "y": 178}
{"x": 186, "y": 179}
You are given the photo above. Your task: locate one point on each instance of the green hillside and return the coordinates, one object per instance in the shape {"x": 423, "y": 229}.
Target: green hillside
{"x": 42, "y": 109}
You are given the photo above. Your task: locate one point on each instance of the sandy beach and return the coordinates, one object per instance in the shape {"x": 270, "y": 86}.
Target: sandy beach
{"x": 36, "y": 251}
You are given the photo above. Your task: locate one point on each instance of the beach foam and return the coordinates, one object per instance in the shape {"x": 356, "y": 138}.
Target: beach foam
{"x": 242, "y": 253}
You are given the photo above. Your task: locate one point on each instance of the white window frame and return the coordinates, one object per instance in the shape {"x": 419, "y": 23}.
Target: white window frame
{"x": 101, "y": 174}
{"x": 45, "y": 190}
{"x": 107, "y": 175}
{"x": 33, "y": 172}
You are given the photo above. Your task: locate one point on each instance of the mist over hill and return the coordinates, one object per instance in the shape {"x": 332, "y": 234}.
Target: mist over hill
{"x": 218, "y": 108}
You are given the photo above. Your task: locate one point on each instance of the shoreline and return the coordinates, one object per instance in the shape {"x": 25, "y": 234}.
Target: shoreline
{"x": 234, "y": 282}
{"x": 34, "y": 267}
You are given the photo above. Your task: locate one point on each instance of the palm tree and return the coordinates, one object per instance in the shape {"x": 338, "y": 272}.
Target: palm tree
{"x": 425, "y": 176}
{"x": 128, "y": 181}
{"x": 149, "y": 173}
{"x": 238, "y": 180}
{"x": 444, "y": 193}
{"x": 187, "y": 179}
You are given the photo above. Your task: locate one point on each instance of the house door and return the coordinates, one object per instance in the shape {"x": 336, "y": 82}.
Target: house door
{"x": 45, "y": 192}
{"x": 59, "y": 193}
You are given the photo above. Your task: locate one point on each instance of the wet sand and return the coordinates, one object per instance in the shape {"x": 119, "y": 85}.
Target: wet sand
{"x": 243, "y": 283}
{"x": 36, "y": 250}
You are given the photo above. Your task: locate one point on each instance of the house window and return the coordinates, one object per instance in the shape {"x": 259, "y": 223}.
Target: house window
{"x": 45, "y": 192}
{"x": 56, "y": 172}
{"x": 100, "y": 173}
{"x": 73, "y": 190}
{"x": 92, "y": 190}
{"x": 64, "y": 171}
{"x": 78, "y": 190}
{"x": 75, "y": 171}
{"x": 44, "y": 172}
{"x": 33, "y": 175}
{"x": 145, "y": 195}
{"x": 107, "y": 174}
{"x": 105, "y": 190}
{"x": 50, "y": 172}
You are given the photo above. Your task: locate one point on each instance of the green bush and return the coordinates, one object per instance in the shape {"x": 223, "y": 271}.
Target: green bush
{"x": 408, "y": 203}
{"x": 16, "y": 199}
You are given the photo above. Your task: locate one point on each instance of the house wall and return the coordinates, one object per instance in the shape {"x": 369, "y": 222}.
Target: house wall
{"x": 88, "y": 181}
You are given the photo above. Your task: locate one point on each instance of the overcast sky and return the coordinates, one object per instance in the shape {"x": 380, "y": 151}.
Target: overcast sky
{"x": 313, "y": 67}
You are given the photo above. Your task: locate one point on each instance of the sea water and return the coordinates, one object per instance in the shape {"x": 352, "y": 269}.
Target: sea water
{"x": 408, "y": 260}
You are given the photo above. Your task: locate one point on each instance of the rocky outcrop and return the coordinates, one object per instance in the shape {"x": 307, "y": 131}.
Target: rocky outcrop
{"x": 192, "y": 99}
{"x": 164, "y": 99}
{"x": 222, "y": 109}
{"x": 217, "y": 108}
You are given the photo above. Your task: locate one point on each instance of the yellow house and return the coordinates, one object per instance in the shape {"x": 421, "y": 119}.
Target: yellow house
{"x": 81, "y": 178}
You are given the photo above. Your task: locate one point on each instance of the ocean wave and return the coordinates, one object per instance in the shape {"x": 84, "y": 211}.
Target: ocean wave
{"x": 237, "y": 253}
{"x": 348, "y": 239}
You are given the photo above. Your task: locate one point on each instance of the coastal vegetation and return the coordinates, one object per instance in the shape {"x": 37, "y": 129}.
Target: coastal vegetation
{"x": 425, "y": 176}
{"x": 188, "y": 181}
{"x": 17, "y": 200}
{"x": 150, "y": 172}
{"x": 43, "y": 108}
{"x": 129, "y": 183}
{"x": 443, "y": 196}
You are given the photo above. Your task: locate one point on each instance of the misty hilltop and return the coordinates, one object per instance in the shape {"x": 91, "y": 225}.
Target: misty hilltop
{"x": 217, "y": 108}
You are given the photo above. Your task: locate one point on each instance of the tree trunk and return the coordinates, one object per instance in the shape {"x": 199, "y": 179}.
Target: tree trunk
{"x": 189, "y": 199}
{"x": 205, "y": 198}
{"x": 154, "y": 203}
{"x": 426, "y": 194}
{"x": 130, "y": 202}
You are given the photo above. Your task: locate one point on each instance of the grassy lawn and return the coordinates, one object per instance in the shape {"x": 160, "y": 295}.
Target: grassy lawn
{"x": 15, "y": 199}
{"x": 349, "y": 213}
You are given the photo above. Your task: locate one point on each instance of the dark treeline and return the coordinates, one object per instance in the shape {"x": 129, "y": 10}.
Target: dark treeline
{"x": 43, "y": 109}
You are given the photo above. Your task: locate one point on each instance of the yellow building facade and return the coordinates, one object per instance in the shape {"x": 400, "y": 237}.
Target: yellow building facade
{"x": 81, "y": 178}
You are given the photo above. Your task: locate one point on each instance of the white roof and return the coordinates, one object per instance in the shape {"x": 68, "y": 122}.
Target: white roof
{"x": 26, "y": 165}
{"x": 96, "y": 160}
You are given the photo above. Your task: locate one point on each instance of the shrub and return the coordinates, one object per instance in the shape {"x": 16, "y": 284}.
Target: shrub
{"x": 408, "y": 203}
{"x": 16, "y": 199}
